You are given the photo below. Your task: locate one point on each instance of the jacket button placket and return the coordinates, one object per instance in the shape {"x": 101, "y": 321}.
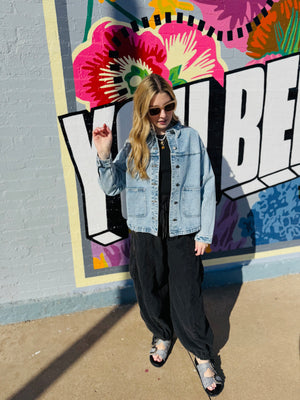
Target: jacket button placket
{"x": 154, "y": 192}
{"x": 175, "y": 192}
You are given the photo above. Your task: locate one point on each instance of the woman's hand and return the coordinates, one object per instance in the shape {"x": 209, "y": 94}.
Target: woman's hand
{"x": 200, "y": 248}
{"x": 102, "y": 137}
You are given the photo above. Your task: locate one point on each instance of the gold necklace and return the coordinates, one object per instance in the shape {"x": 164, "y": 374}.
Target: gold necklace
{"x": 162, "y": 142}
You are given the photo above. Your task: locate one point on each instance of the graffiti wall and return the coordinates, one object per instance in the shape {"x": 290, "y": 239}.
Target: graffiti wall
{"x": 234, "y": 67}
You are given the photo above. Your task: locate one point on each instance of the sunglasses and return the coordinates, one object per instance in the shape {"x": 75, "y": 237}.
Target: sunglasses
{"x": 157, "y": 110}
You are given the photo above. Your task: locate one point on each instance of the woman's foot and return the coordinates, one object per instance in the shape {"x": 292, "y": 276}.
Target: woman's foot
{"x": 160, "y": 346}
{"x": 159, "y": 351}
{"x": 208, "y": 373}
{"x": 211, "y": 381}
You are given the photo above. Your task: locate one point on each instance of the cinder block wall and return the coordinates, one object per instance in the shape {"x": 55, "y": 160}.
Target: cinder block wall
{"x": 36, "y": 251}
{"x": 49, "y": 263}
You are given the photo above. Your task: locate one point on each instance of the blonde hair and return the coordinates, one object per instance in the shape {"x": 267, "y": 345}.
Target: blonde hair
{"x": 138, "y": 159}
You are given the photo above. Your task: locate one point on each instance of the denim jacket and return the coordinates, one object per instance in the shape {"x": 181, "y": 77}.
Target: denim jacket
{"x": 192, "y": 200}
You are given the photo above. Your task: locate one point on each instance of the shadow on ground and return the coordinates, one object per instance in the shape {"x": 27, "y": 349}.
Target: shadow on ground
{"x": 41, "y": 382}
{"x": 219, "y": 303}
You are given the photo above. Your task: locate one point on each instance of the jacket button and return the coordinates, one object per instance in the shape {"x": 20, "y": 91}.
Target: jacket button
{"x": 174, "y": 148}
{"x": 177, "y": 166}
{"x": 174, "y": 219}
{"x": 175, "y": 202}
{"x": 177, "y": 184}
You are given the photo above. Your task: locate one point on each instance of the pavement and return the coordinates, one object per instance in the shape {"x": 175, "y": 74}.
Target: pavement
{"x": 103, "y": 353}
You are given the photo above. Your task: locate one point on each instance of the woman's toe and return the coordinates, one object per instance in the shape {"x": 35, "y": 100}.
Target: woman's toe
{"x": 212, "y": 387}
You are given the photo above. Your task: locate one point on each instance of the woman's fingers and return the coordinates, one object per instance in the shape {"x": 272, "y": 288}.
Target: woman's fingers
{"x": 102, "y": 138}
{"x": 200, "y": 248}
{"x": 102, "y": 131}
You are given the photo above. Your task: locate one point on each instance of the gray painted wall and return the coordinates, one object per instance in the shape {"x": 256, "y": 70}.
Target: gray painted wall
{"x": 36, "y": 254}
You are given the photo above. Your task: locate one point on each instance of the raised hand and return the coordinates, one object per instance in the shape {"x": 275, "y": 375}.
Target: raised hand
{"x": 102, "y": 137}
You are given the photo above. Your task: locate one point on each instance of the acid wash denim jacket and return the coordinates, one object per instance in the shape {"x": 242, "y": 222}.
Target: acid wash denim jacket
{"x": 192, "y": 200}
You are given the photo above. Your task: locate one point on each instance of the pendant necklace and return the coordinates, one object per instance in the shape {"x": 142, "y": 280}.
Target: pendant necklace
{"x": 162, "y": 142}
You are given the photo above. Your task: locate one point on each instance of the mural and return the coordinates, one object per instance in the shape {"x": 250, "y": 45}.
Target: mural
{"x": 248, "y": 116}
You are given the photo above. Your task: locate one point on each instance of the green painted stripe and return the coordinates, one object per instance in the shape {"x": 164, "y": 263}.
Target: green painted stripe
{"x": 297, "y": 36}
{"x": 124, "y": 12}
{"x": 287, "y": 36}
{"x": 88, "y": 21}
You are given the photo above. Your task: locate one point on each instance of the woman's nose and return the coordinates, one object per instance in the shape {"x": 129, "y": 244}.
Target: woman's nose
{"x": 162, "y": 113}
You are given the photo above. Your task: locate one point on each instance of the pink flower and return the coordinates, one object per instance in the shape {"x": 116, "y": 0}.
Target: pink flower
{"x": 111, "y": 64}
{"x": 114, "y": 60}
{"x": 191, "y": 54}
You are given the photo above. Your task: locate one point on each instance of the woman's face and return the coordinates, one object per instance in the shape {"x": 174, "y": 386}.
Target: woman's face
{"x": 163, "y": 118}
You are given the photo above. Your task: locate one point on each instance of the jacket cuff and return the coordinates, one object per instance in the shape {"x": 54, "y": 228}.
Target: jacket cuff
{"x": 202, "y": 238}
{"x": 104, "y": 163}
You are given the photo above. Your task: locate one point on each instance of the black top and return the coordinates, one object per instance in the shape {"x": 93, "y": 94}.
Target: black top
{"x": 164, "y": 186}
{"x": 164, "y": 167}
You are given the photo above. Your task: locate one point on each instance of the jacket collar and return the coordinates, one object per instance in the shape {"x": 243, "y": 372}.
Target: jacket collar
{"x": 174, "y": 130}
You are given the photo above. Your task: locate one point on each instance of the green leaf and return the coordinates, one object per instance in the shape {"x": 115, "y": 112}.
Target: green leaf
{"x": 174, "y": 76}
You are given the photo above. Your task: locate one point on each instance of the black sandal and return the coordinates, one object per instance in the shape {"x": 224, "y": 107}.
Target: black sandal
{"x": 208, "y": 381}
{"x": 162, "y": 353}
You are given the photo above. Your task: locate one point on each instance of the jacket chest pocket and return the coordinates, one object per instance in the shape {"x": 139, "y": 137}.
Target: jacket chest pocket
{"x": 136, "y": 202}
{"x": 191, "y": 201}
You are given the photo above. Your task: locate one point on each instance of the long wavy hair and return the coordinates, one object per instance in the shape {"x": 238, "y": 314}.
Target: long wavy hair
{"x": 138, "y": 159}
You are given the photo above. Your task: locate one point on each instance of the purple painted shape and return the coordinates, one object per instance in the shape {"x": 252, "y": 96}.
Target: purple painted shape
{"x": 228, "y": 15}
{"x": 116, "y": 254}
{"x": 224, "y": 229}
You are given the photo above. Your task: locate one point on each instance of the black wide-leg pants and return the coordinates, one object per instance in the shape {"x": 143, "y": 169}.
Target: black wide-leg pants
{"x": 167, "y": 278}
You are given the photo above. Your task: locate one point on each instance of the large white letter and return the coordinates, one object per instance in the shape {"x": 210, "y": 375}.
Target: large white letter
{"x": 84, "y": 159}
{"x": 295, "y": 158}
{"x": 278, "y": 121}
{"x": 199, "y": 108}
{"x": 241, "y": 144}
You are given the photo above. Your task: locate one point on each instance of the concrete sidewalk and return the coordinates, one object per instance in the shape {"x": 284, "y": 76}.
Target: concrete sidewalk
{"x": 103, "y": 354}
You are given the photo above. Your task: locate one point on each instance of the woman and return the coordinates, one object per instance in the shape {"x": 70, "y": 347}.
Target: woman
{"x": 170, "y": 199}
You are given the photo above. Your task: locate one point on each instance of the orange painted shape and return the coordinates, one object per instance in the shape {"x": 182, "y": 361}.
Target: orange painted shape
{"x": 208, "y": 249}
{"x": 100, "y": 263}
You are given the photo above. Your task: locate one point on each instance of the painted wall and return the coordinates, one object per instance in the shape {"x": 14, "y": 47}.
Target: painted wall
{"x": 72, "y": 65}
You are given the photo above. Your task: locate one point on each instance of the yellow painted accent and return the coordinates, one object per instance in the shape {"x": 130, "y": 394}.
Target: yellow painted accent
{"x": 61, "y": 108}
{"x": 121, "y": 276}
{"x": 251, "y": 256}
{"x": 68, "y": 169}
{"x": 163, "y": 6}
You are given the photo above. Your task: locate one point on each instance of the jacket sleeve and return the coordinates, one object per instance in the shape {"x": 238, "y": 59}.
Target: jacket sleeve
{"x": 112, "y": 174}
{"x": 208, "y": 199}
